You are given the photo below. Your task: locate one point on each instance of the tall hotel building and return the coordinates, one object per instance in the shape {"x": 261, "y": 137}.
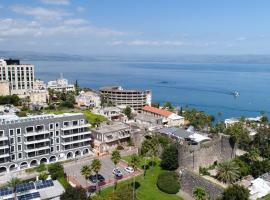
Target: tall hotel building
{"x": 29, "y": 141}
{"x": 19, "y": 76}
{"x": 135, "y": 99}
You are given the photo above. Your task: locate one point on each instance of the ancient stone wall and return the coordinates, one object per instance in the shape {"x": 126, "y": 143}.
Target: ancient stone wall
{"x": 190, "y": 181}
{"x": 193, "y": 156}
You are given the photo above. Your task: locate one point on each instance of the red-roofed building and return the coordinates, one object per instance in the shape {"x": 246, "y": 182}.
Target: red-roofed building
{"x": 169, "y": 118}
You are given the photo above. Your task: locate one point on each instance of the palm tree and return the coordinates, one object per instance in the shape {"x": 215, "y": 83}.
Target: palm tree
{"x": 134, "y": 163}
{"x": 116, "y": 157}
{"x": 13, "y": 182}
{"x": 96, "y": 166}
{"x": 199, "y": 194}
{"x": 86, "y": 172}
{"x": 228, "y": 172}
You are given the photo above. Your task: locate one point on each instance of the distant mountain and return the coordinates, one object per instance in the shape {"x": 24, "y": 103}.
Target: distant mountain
{"x": 37, "y": 56}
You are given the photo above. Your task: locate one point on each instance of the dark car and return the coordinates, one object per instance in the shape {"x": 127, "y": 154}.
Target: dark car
{"x": 93, "y": 178}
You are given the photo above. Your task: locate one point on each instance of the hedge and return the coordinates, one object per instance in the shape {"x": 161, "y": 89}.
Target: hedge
{"x": 168, "y": 182}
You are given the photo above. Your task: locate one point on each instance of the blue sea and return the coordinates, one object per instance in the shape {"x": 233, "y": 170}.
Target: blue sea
{"x": 208, "y": 87}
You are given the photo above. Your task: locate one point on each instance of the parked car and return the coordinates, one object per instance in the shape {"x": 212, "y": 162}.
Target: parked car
{"x": 129, "y": 169}
{"x": 93, "y": 178}
{"x": 117, "y": 172}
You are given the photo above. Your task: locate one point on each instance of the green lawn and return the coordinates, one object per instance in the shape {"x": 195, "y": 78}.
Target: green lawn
{"x": 267, "y": 197}
{"x": 147, "y": 189}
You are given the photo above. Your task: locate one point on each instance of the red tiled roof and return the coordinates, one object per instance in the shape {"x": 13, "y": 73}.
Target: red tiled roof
{"x": 164, "y": 113}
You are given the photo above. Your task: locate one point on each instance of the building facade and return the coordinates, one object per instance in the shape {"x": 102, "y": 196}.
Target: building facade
{"x": 4, "y": 88}
{"x": 29, "y": 141}
{"x": 135, "y": 99}
{"x": 60, "y": 85}
{"x": 88, "y": 99}
{"x": 20, "y": 76}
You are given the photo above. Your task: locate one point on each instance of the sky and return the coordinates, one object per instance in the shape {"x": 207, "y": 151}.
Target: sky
{"x": 136, "y": 26}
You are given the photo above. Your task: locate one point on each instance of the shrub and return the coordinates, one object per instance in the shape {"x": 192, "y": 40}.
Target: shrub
{"x": 203, "y": 171}
{"x": 168, "y": 182}
{"x": 235, "y": 192}
{"x": 74, "y": 193}
{"x": 43, "y": 176}
{"x": 41, "y": 167}
{"x": 56, "y": 170}
{"x": 169, "y": 158}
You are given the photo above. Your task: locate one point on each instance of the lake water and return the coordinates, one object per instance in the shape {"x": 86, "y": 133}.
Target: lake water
{"x": 208, "y": 87}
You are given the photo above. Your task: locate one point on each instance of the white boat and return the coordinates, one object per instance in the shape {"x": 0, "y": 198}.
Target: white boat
{"x": 236, "y": 94}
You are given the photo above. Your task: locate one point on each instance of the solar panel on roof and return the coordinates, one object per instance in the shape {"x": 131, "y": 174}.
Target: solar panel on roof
{"x": 25, "y": 187}
{"x": 5, "y": 191}
{"x": 30, "y": 196}
{"x": 44, "y": 184}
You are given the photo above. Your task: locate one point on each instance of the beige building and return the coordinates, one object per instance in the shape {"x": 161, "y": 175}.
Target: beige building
{"x": 4, "y": 88}
{"x": 20, "y": 76}
{"x": 38, "y": 97}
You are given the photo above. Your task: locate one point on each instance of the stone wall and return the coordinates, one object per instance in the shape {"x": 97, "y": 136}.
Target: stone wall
{"x": 190, "y": 181}
{"x": 193, "y": 156}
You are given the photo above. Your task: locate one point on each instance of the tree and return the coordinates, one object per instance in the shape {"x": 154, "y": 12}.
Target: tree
{"x": 228, "y": 172}
{"x": 168, "y": 105}
{"x": 244, "y": 168}
{"x": 13, "y": 182}
{"x": 260, "y": 167}
{"x": 199, "y": 194}
{"x": 253, "y": 154}
{"x": 86, "y": 172}
{"x": 235, "y": 192}
{"x": 77, "y": 87}
{"x": 116, "y": 157}
{"x": 150, "y": 148}
{"x": 134, "y": 163}
{"x": 198, "y": 119}
{"x": 127, "y": 111}
{"x": 124, "y": 192}
{"x": 74, "y": 193}
{"x": 43, "y": 176}
{"x": 169, "y": 158}
{"x": 56, "y": 170}
{"x": 96, "y": 166}
{"x": 261, "y": 141}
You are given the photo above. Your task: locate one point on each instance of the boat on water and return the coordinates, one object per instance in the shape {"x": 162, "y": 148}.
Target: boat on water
{"x": 236, "y": 93}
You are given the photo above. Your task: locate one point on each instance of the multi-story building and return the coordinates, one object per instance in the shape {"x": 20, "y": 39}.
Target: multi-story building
{"x": 108, "y": 136}
{"x": 88, "y": 99}
{"x": 29, "y": 141}
{"x": 135, "y": 99}
{"x": 60, "y": 85}
{"x": 20, "y": 76}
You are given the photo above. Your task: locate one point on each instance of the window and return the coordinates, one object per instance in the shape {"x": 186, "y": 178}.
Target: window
{"x": 12, "y": 149}
{"x": 11, "y": 132}
{"x": 12, "y": 157}
{"x": 65, "y": 124}
{"x": 18, "y": 131}
{"x": 57, "y": 140}
{"x": 11, "y": 140}
{"x": 57, "y": 125}
{"x": 58, "y": 148}
{"x": 30, "y": 129}
{"x": 19, "y": 147}
{"x": 51, "y": 126}
{"x": 75, "y": 123}
{"x": 19, "y": 139}
{"x": 82, "y": 121}
{"x": 19, "y": 155}
{"x": 51, "y": 134}
{"x": 2, "y": 133}
{"x": 56, "y": 133}
{"x": 51, "y": 141}
{"x": 51, "y": 149}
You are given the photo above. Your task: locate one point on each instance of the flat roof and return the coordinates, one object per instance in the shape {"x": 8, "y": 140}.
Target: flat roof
{"x": 108, "y": 128}
{"x": 178, "y": 132}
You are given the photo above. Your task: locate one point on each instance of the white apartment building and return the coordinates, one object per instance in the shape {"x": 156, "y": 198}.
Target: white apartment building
{"x": 61, "y": 84}
{"x": 88, "y": 99}
{"x": 20, "y": 76}
{"x": 28, "y": 141}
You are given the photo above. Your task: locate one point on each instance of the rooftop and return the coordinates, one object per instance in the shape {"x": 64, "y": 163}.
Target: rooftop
{"x": 162, "y": 112}
{"x": 177, "y": 132}
{"x": 117, "y": 89}
{"x": 108, "y": 128}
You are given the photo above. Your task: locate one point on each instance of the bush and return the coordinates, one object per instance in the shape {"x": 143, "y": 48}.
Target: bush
{"x": 56, "y": 170}
{"x": 235, "y": 192}
{"x": 74, "y": 193}
{"x": 168, "y": 182}
{"x": 41, "y": 167}
{"x": 43, "y": 176}
{"x": 120, "y": 147}
{"x": 203, "y": 171}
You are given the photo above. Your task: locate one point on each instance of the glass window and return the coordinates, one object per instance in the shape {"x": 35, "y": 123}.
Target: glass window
{"x": 19, "y": 155}
{"x": 58, "y": 148}
{"x": 12, "y": 149}
{"x": 12, "y": 157}
{"x": 51, "y": 149}
{"x": 19, "y": 147}
{"x": 51, "y": 134}
{"x": 51, "y": 126}
{"x": 19, "y": 139}
{"x": 56, "y": 133}
{"x": 57, "y": 140}
{"x": 11, "y": 140}
{"x": 18, "y": 131}
{"x": 2, "y": 133}
{"x": 11, "y": 132}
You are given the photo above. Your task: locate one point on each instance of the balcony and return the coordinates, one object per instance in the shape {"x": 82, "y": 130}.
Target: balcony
{"x": 37, "y": 141}
{"x": 74, "y": 127}
{"x": 4, "y": 155}
{"x": 76, "y": 141}
{"x": 76, "y": 134}
{"x": 3, "y": 138}
{"x": 37, "y": 133}
{"x": 4, "y": 147}
{"x": 36, "y": 149}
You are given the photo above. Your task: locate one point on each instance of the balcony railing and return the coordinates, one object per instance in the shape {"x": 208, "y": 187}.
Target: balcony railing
{"x": 36, "y": 133}
{"x": 37, "y": 141}
{"x": 4, "y": 155}
{"x": 36, "y": 149}
{"x": 76, "y": 141}
{"x": 4, "y": 147}
{"x": 76, "y": 134}
{"x": 74, "y": 127}
{"x": 3, "y": 138}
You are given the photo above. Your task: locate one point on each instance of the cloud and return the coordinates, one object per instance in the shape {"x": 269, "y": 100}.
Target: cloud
{"x": 80, "y": 9}
{"x": 241, "y": 39}
{"x": 75, "y": 22}
{"x": 56, "y": 2}
{"x": 146, "y": 43}
{"x": 40, "y": 13}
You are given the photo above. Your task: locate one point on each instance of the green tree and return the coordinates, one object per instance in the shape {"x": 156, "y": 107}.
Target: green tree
{"x": 74, "y": 193}
{"x": 13, "y": 183}
{"x": 124, "y": 192}
{"x": 168, "y": 105}
{"x": 116, "y": 157}
{"x": 127, "y": 111}
{"x": 228, "y": 172}
{"x": 77, "y": 87}
{"x": 56, "y": 170}
{"x": 198, "y": 119}
{"x": 260, "y": 167}
{"x": 86, "y": 172}
{"x": 96, "y": 166}
{"x": 43, "y": 176}
{"x": 199, "y": 194}
{"x": 262, "y": 140}
{"x": 150, "y": 148}
{"x": 169, "y": 158}
{"x": 235, "y": 192}
{"x": 253, "y": 154}
{"x": 244, "y": 168}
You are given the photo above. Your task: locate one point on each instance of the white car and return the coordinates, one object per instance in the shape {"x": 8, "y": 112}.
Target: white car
{"x": 117, "y": 172}
{"x": 129, "y": 169}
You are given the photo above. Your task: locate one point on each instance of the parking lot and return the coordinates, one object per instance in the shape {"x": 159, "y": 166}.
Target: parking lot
{"x": 74, "y": 171}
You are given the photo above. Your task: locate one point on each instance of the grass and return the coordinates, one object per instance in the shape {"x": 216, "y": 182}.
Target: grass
{"x": 39, "y": 168}
{"x": 147, "y": 189}
{"x": 267, "y": 197}
{"x": 64, "y": 182}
